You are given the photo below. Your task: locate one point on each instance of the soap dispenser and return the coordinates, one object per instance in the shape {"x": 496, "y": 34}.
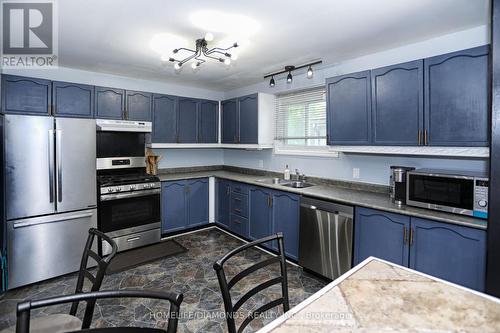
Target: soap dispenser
{"x": 286, "y": 173}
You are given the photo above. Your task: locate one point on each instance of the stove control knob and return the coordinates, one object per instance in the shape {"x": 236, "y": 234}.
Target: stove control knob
{"x": 119, "y": 189}
{"x": 483, "y": 203}
{"x": 110, "y": 190}
{"x": 132, "y": 187}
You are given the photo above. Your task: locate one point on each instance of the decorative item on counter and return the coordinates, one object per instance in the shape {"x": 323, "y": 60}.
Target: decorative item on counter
{"x": 152, "y": 162}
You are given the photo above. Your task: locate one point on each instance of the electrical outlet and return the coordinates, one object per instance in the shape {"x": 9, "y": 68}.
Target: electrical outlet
{"x": 355, "y": 173}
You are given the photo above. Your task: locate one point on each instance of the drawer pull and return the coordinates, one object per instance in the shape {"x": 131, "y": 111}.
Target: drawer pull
{"x": 237, "y": 210}
{"x": 237, "y": 221}
{"x": 236, "y": 199}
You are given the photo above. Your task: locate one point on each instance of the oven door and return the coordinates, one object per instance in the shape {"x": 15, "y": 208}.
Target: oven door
{"x": 449, "y": 193}
{"x": 129, "y": 212}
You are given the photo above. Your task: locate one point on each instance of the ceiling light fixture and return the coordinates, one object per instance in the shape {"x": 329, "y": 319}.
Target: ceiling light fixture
{"x": 290, "y": 69}
{"x": 202, "y": 51}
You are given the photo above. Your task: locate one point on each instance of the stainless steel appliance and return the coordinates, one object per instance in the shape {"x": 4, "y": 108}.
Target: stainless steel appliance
{"x": 50, "y": 195}
{"x": 459, "y": 192}
{"x": 398, "y": 184}
{"x": 129, "y": 199}
{"x": 326, "y": 233}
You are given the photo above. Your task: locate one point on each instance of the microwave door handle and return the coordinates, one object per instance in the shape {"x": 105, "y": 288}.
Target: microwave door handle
{"x": 51, "y": 165}
{"x": 59, "y": 165}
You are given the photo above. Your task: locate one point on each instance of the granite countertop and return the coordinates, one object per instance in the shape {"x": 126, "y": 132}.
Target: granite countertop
{"x": 377, "y": 296}
{"x": 355, "y": 196}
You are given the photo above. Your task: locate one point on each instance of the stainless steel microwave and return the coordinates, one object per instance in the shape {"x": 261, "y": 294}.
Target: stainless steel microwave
{"x": 457, "y": 192}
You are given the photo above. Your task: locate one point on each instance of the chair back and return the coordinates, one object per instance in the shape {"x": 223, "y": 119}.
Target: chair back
{"x": 226, "y": 286}
{"x": 85, "y": 273}
{"x": 24, "y": 308}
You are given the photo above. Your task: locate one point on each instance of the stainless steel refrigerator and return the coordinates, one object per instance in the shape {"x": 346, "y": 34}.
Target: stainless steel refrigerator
{"x": 50, "y": 195}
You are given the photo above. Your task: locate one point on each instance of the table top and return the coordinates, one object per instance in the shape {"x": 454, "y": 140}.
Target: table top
{"x": 379, "y": 296}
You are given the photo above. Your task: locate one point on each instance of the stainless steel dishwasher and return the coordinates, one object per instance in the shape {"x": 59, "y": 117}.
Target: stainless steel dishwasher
{"x": 325, "y": 241}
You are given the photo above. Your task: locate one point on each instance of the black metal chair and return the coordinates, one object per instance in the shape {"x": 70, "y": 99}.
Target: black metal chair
{"x": 24, "y": 308}
{"x": 226, "y": 286}
{"x": 62, "y": 322}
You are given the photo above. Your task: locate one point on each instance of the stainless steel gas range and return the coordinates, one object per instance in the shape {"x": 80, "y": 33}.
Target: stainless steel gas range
{"x": 128, "y": 198}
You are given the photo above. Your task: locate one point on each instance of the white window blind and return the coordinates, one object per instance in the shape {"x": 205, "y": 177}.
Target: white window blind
{"x": 301, "y": 118}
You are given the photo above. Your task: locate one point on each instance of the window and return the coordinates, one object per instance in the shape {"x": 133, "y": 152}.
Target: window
{"x": 301, "y": 118}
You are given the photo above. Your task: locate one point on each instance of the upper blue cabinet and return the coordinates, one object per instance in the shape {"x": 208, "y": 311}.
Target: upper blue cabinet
{"x": 138, "y": 106}
{"x": 439, "y": 101}
{"x": 164, "y": 119}
{"x": 72, "y": 100}
{"x": 398, "y": 104}
{"x": 208, "y": 125}
{"x": 248, "y": 119}
{"x": 230, "y": 121}
{"x": 25, "y": 95}
{"x": 457, "y": 98}
{"x": 187, "y": 120}
{"x": 349, "y": 109}
{"x": 109, "y": 103}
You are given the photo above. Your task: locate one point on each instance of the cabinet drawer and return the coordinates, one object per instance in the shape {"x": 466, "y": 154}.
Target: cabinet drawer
{"x": 239, "y": 204}
{"x": 240, "y": 188}
{"x": 239, "y": 225}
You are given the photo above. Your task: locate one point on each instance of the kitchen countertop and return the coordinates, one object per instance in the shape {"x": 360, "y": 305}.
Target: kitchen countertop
{"x": 377, "y": 296}
{"x": 340, "y": 194}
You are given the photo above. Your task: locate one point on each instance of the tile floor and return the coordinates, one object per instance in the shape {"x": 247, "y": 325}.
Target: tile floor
{"x": 190, "y": 273}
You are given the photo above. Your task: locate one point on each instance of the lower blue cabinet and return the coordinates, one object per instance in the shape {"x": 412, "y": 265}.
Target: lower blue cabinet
{"x": 382, "y": 235}
{"x": 173, "y": 206}
{"x": 447, "y": 251}
{"x": 223, "y": 195}
{"x": 184, "y": 204}
{"x": 197, "y": 194}
{"x": 450, "y": 252}
{"x": 260, "y": 212}
{"x": 286, "y": 217}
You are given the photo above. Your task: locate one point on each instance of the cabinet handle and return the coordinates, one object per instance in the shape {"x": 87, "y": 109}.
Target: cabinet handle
{"x": 237, "y": 210}
{"x": 419, "y": 137}
{"x": 411, "y": 236}
{"x": 405, "y": 236}
{"x": 425, "y": 137}
{"x": 236, "y": 199}
{"x": 237, "y": 221}
{"x": 227, "y": 190}
{"x": 235, "y": 140}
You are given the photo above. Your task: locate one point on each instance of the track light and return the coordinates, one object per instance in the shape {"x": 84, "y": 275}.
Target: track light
{"x": 309, "y": 72}
{"x": 177, "y": 65}
{"x": 289, "y": 69}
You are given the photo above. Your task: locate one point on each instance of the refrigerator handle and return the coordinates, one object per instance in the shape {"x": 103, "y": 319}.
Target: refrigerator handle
{"x": 51, "y": 165}
{"x": 59, "y": 165}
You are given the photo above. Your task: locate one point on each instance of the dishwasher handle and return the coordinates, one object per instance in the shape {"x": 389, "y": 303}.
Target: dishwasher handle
{"x": 326, "y": 206}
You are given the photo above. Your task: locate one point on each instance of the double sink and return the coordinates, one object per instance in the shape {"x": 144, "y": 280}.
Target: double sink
{"x": 287, "y": 183}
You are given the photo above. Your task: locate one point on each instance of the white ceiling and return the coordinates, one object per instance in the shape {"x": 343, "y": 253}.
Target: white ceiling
{"x": 113, "y": 36}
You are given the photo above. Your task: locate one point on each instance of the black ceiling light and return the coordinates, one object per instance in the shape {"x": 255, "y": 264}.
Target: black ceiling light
{"x": 289, "y": 70}
{"x": 271, "y": 82}
{"x": 202, "y": 51}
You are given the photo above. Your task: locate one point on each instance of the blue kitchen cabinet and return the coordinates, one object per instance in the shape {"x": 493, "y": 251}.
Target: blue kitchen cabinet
{"x": 187, "y": 120}
{"x": 349, "y": 111}
{"x": 239, "y": 225}
{"x": 230, "y": 121}
{"x": 24, "y": 95}
{"x": 450, "y": 252}
{"x": 248, "y": 119}
{"x": 398, "y": 104}
{"x": 72, "y": 100}
{"x": 208, "y": 128}
{"x": 457, "y": 89}
{"x": 138, "y": 106}
{"x": 174, "y": 213}
{"x": 164, "y": 119}
{"x": 223, "y": 202}
{"x": 285, "y": 217}
{"x": 260, "y": 212}
{"x": 382, "y": 235}
{"x": 197, "y": 200}
{"x": 109, "y": 103}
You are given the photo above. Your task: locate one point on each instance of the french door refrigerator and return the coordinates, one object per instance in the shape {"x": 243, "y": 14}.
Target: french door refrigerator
{"x": 50, "y": 195}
